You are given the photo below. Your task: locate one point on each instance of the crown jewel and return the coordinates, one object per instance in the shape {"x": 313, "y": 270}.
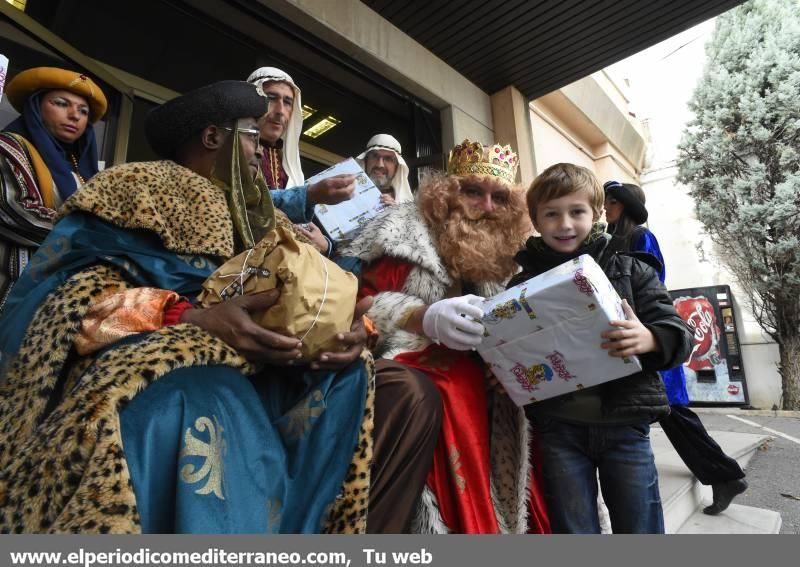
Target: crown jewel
{"x": 473, "y": 158}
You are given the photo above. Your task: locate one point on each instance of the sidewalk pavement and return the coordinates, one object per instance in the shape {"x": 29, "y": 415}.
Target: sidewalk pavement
{"x": 773, "y": 471}
{"x": 747, "y": 412}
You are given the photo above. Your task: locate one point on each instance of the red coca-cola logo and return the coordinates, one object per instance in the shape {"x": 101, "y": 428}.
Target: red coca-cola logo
{"x": 699, "y": 315}
{"x": 733, "y": 389}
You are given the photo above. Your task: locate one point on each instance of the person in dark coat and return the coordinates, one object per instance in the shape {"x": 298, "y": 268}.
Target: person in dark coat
{"x": 626, "y": 215}
{"x": 602, "y": 429}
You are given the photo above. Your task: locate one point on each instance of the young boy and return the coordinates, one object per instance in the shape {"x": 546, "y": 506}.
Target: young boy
{"x": 605, "y": 428}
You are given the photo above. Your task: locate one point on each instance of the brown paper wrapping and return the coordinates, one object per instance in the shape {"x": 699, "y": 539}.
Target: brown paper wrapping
{"x": 299, "y": 270}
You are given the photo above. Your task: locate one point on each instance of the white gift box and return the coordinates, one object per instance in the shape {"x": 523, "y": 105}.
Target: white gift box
{"x": 542, "y": 336}
{"x": 344, "y": 221}
{"x": 3, "y": 71}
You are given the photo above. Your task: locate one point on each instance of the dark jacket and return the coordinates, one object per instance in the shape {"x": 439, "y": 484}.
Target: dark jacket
{"x": 634, "y": 275}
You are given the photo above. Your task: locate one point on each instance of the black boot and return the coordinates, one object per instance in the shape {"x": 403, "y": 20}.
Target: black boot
{"x": 724, "y": 492}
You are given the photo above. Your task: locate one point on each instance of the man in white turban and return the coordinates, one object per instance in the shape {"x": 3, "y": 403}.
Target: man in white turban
{"x": 384, "y": 164}
{"x": 280, "y": 128}
{"x": 280, "y": 139}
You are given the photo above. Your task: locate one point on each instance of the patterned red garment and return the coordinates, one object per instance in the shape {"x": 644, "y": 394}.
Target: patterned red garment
{"x": 172, "y": 315}
{"x": 459, "y": 476}
{"x": 385, "y": 274}
{"x": 461, "y": 467}
{"x": 272, "y": 168}
{"x": 27, "y": 201}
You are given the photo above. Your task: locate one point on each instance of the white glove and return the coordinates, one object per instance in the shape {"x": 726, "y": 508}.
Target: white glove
{"x": 454, "y": 322}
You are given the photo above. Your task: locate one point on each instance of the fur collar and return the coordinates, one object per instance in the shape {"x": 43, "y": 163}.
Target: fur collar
{"x": 187, "y": 211}
{"x": 399, "y": 232}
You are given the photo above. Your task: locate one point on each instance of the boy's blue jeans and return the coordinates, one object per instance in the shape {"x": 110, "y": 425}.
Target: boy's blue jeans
{"x": 572, "y": 455}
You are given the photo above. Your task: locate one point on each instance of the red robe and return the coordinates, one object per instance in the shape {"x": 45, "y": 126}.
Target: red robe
{"x": 461, "y": 471}
{"x": 272, "y": 167}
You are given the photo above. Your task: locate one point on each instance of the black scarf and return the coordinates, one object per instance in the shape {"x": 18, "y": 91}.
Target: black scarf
{"x": 537, "y": 257}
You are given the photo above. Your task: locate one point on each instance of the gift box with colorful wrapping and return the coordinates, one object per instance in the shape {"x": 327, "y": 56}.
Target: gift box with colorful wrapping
{"x": 542, "y": 336}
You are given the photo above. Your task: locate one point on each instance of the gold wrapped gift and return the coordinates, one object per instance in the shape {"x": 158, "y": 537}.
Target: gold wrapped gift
{"x": 317, "y": 297}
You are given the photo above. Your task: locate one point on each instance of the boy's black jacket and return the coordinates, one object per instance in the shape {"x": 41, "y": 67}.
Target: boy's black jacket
{"x": 635, "y": 279}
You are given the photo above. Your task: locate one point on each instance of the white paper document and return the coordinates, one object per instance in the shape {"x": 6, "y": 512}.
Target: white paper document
{"x": 3, "y": 71}
{"x": 344, "y": 221}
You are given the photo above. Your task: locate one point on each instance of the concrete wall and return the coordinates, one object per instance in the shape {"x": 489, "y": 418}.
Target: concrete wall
{"x": 590, "y": 97}
{"x": 563, "y": 131}
{"x": 613, "y": 89}
{"x": 457, "y": 125}
{"x": 554, "y": 141}
{"x": 361, "y": 33}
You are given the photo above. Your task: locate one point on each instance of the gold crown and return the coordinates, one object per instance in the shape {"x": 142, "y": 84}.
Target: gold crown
{"x": 473, "y": 158}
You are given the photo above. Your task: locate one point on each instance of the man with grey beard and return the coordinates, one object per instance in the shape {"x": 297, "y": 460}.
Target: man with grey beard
{"x": 428, "y": 263}
{"x": 383, "y": 162}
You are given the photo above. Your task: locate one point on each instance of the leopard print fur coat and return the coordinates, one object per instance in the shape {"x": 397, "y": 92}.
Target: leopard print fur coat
{"x": 62, "y": 463}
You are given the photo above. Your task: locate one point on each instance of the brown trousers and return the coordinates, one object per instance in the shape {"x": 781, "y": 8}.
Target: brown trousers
{"x": 408, "y": 416}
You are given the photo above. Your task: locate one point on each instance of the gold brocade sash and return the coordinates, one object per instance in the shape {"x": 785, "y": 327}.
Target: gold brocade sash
{"x": 249, "y": 201}
{"x": 43, "y": 176}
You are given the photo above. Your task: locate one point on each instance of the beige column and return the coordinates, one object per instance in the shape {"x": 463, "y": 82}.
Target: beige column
{"x": 512, "y": 126}
{"x": 457, "y": 125}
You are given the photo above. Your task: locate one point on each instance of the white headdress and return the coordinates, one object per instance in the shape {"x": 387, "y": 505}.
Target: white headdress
{"x": 402, "y": 190}
{"x": 291, "y": 136}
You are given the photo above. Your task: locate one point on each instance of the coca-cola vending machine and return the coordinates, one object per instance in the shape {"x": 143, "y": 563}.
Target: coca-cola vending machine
{"x": 714, "y": 371}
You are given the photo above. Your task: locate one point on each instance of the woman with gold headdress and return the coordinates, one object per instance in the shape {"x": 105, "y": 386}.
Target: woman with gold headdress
{"x": 45, "y": 156}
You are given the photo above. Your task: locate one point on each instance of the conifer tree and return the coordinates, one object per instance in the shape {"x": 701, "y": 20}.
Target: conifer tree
{"x": 740, "y": 157}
